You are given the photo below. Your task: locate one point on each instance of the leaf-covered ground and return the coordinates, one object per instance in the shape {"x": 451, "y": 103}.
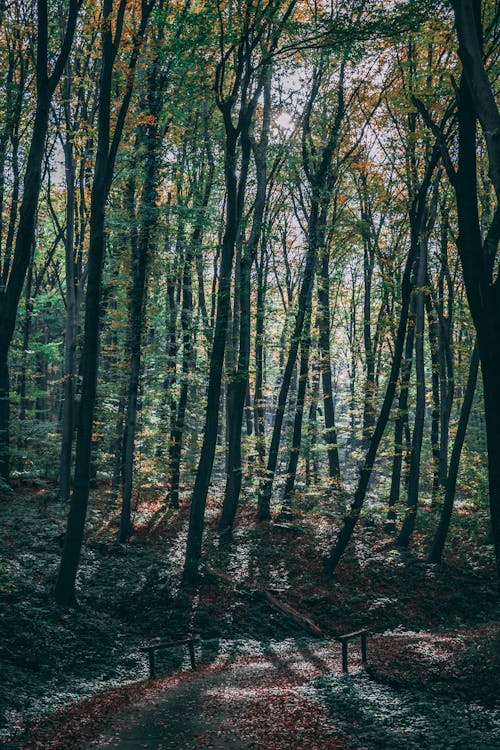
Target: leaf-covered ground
{"x": 287, "y": 695}
{"x": 435, "y": 629}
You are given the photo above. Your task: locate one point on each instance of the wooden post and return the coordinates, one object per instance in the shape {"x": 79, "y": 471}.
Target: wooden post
{"x": 191, "y": 654}
{"x": 344, "y": 657}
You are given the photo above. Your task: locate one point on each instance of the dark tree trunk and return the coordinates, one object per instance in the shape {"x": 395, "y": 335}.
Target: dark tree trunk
{"x": 417, "y": 214}
{"x": 311, "y": 455}
{"x": 204, "y": 472}
{"x": 438, "y": 543}
{"x": 193, "y": 251}
{"x": 325, "y": 363}
{"x": 266, "y": 488}
{"x": 9, "y": 297}
{"x": 141, "y": 243}
{"x": 368, "y": 268}
{"x": 237, "y": 394}
{"x": 476, "y": 100}
{"x": 104, "y": 168}
{"x": 240, "y": 382}
{"x": 258, "y": 400}
{"x": 433, "y": 332}
{"x": 305, "y": 347}
{"x": 401, "y": 420}
{"x": 118, "y": 450}
{"x": 71, "y": 328}
{"x": 418, "y": 425}
{"x": 27, "y": 325}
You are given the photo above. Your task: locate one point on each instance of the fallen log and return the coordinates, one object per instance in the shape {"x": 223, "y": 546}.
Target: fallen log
{"x": 219, "y": 575}
{"x": 304, "y": 622}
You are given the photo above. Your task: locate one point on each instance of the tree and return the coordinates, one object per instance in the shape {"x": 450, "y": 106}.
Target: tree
{"x": 234, "y": 87}
{"x": 17, "y": 265}
{"x": 107, "y": 148}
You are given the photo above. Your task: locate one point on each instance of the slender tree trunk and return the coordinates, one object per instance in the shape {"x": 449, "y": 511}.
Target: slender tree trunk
{"x": 438, "y": 543}
{"x": 141, "y": 245}
{"x": 27, "y": 325}
{"x": 70, "y": 334}
{"x": 204, "y": 472}
{"x": 9, "y": 297}
{"x": 368, "y": 267}
{"x": 305, "y": 347}
{"x": 258, "y": 400}
{"x": 418, "y": 425}
{"x": 118, "y": 450}
{"x": 240, "y": 383}
{"x": 477, "y": 258}
{"x": 177, "y": 433}
{"x": 193, "y": 256}
{"x": 248, "y": 412}
{"x": 436, "y": 399}
{"x": 417, "y": 214}
{"x": 401, "y": 420}
{"x": 238, "y": 390}
{"x": 266, "y": 487}
{"x": 104, "y": 167}
{"x": 325, "y": 363}
{"x": 476, "y": 99}
{"x": 311, "y": 455}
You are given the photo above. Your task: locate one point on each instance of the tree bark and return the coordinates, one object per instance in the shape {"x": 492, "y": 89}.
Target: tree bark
{"x": 323, "y": 287}
{"x": 10, "y": 295}
{"x": 203, "y": 475}
{"x": 417, "y": 213}
{"x": 305, "y": 347}
{"x": 401, "y": 420}
{"x": 141, "y": 246}
{"x": 107, "y": 148}
{"x": 438, "y": 543}
{"x": 418, "y": 425}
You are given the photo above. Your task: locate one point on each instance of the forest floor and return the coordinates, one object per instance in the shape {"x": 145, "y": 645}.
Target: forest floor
{"x": 73, "y": 678}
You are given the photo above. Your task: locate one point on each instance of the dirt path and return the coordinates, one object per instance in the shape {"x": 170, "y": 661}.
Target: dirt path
{"x": 296, "y": 701}
{"x": 252, "y": 702}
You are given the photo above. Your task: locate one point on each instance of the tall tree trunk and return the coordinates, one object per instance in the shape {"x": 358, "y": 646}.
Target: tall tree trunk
{"x": 476, "y": 99}
{"x": 266, "y": 488}
{"x": 9, "y": 297}
{"x": 401, "y": 420}
{"x": 323, "y": 288}
{"x": 418, "y": 425}
{"x": 432, "y": 324}
{"x": 368, "y": 267}
{"x": 107, "y": 148}
{"x": 305, "y": 347}
{"x": 177, "y": 434}
{"x": 240, "y": 382}
{"x": 311, "y": 454}
{"x": 141, "y": 242}
{"x": 416, "y": 219}
{"x": 439, "y": 540}
{"x": 204, "y": 472}
{"x": 117, "y": 450}
{"x": 27, "y": 325}
{"x": 72, "y": 313}
{"x": 236, "y": 398}
{"x": 258, "y": 401}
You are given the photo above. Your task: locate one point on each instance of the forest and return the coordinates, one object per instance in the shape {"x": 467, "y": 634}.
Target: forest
{"x": 249, "y": 374}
